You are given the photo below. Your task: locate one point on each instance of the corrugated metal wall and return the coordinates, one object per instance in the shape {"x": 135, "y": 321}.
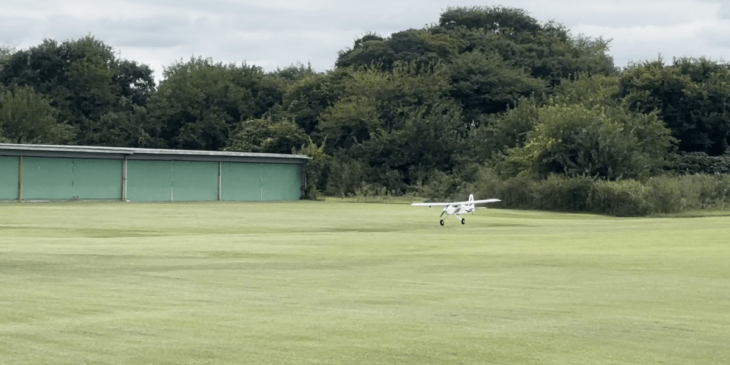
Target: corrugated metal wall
{"x": 65, "y": 178}
{"x": 147, "y": 181}
{"x": 257, "y": 182}
{"x": 9, "y": 178}
{"x": 281, "y": 182}
{"x": 194, "y": 181}
{"x": 47, "y": 178}
{"x": 241, "y": 181}
{"x": 97, "y": 179}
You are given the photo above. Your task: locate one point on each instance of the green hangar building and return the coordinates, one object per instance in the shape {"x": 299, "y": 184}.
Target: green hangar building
{"x": 45, "y": 172}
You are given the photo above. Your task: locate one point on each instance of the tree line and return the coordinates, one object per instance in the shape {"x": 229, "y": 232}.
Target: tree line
{"x": 422, "y": 111}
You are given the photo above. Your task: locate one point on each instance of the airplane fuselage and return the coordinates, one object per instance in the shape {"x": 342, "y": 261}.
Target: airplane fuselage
{"x": 459, "y": 209}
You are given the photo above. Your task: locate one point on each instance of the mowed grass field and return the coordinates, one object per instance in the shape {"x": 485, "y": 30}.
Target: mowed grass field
{"x": 346, "y": 283}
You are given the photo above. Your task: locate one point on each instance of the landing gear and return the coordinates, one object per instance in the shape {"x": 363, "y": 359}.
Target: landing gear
{"x": 463, "y": 221}
{"x": 442, "y": 222}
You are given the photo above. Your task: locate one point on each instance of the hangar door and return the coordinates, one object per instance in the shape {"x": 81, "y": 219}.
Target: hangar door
{"x": 157, "y": 181}
{"x": 260, "y": 182}
{"x": 194, "y": 181}
{"x": 66, "y": 178}
{"x": 9, "y": 178}
{"x": 241, "y": 181}
{"x": 281, "y": 182}
{"x": 149, "y": 181}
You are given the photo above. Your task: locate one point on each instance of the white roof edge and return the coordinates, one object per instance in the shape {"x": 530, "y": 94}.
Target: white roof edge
{"x": 131, "y": 151}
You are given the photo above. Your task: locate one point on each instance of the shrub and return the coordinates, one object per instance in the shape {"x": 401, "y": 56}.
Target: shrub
{"x": 315, "y": 169}
{"x": 348, "y": 178}
{"x": 627, "y": 198}
{"x": 442, "y": 186}
{"x": 701, "y": 163}
{"x": 563, "y": 194}
{"x": 609, "y": 143}
{"x": 667, "y": 194}
{"x": 623, "y": 198}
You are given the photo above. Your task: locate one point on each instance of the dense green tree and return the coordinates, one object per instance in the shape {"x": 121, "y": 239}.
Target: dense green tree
{"x": 266, "y": 135}
{"x": 306, "y": 99}
{"x": 692, "y": 97}
{"x": 136, "y": 84}
{"x": 591, "y": 91}
{"x": 583, "y": 129}
{"x": 418, "y": 46}
{"x": 427, "y": 141}
{"x": 347, "y": 175}
{"x": 200, "y": 102}
{"x": 391, "y": 128}
{"x": 5, "y": 53}
{"x": 294, "y": 72}
{"x": 373, "y": 101}
{"x": 27, "y": 117}
{"x": 701, "y": 163}
{"x": 512, "y": 128}
{"x": 484, "y": 84}
{"x": 494, "y": 55}
{"x": 316, "y": 169}
{"x": 547, "y": 50}
{"x": 496, "y": 134}
{"x": 84, "y": 81}
{"x": 490, "y": 18}
{"x": 351, "y": 120}
{"x": 609, "y": 143}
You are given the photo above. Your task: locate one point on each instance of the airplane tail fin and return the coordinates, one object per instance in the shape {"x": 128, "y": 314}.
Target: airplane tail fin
{"x": 471, "y": 197}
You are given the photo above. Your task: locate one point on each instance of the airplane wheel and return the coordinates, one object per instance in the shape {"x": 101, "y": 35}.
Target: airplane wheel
{"x": 463, "y": 221}
{"x": 442, "y": 222}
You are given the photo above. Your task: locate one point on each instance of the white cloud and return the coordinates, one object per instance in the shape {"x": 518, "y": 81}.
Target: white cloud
{"x": 724, "y": 11}
{"x": 277, "y": 33}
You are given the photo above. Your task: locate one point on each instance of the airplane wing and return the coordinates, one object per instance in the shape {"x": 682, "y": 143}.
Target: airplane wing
{"x": 456, "y": 203}
{"x": 430, "y": 204}
{"x": 485, "y": 201}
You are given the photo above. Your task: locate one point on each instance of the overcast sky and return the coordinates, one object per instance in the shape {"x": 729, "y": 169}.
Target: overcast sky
{"x": 277, "y": 33}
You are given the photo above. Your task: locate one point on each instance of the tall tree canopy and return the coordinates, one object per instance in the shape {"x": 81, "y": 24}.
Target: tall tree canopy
{"x": 390, "y": 128}
{"x": 548, "y": 49}
{"x": 5, "y": 53}
{"x": 692, "y": 97}
{"x": 91, "y": 89}
{"x": 583, "y": 132}
{"x": 27, "y": 117}
{"x": 199, "y": 102}
{"x": 496, "y": 55}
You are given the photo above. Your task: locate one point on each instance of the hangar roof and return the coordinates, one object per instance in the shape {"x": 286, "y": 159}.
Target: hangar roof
{"x": 118, "y": 153}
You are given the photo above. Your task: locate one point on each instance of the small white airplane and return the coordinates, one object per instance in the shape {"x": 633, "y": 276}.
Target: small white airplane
{"x": 457, "y": 208}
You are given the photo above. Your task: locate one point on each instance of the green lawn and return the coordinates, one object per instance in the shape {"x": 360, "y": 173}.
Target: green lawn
{"x": 346, "y": 283}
